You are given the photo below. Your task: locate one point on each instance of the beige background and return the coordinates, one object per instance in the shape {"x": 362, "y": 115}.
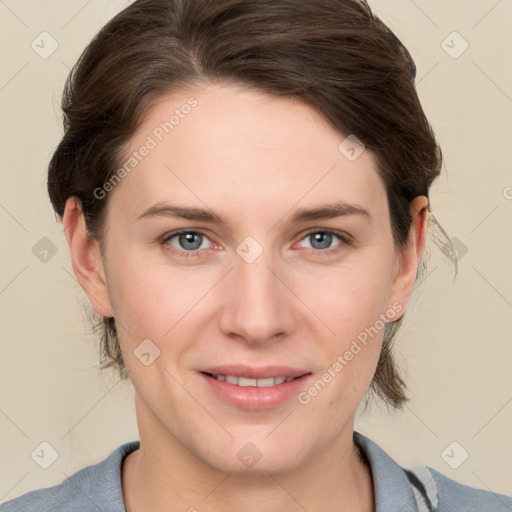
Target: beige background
{"x": 455, "y": 346}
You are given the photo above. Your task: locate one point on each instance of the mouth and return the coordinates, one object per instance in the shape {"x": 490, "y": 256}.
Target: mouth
{"x": 255, "y": 388}
{"x": 251, "y": 382}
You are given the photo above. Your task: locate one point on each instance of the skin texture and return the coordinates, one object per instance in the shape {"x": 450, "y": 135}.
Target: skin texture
{"x": 254, "y": 160}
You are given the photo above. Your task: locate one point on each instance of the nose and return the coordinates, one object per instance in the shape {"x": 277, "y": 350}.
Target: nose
{"x": 259, "y": 306}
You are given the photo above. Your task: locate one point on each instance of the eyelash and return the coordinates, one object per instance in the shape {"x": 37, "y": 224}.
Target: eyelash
{"x": 345, "y": 241}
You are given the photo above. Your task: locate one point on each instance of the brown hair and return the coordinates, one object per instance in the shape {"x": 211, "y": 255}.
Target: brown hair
{"x": 334, "y": 55}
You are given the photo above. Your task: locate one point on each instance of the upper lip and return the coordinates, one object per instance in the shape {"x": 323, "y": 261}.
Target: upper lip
{"x": 255, "y": 372}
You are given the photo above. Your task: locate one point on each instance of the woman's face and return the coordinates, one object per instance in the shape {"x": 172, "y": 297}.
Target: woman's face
{"x": 253, "y": 282}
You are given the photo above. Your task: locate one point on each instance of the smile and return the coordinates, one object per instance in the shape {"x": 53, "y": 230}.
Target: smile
{"x": 247, "y": 382}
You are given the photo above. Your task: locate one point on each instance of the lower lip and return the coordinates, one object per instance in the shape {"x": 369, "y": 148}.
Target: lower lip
{"x": 252, "y": 397}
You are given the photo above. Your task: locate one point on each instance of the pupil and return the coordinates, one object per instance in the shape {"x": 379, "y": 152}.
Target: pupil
{"x": 327, "y": 238}
{"x": 189, "y": 238}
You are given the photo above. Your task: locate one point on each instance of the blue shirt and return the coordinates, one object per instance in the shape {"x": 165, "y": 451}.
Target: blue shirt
{"x": 97, "y": 488}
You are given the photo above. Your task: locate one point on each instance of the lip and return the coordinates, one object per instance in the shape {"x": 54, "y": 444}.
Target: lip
{"x": 252, "y": 397}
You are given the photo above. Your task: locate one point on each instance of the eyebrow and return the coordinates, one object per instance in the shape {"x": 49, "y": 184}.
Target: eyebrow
{"x": 322, "y": 212}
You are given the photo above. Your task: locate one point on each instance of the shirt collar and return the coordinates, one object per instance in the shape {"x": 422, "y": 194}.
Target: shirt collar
{"x": 390, "y": 484}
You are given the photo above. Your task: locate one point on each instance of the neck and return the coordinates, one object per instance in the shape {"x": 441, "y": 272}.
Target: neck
{"x": 164, "y": 472}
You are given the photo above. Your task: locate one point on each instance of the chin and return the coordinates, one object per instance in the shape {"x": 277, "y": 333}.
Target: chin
{"x": 245, "y": 457}
{"x": 263, "y": 467}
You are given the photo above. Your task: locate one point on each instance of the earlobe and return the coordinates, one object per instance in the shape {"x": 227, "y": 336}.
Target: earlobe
{"x": 86, "y": 258}
{"x": 409, "y": 256}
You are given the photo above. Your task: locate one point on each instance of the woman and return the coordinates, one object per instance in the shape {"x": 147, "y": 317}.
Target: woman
{"x": 285, "y": 142}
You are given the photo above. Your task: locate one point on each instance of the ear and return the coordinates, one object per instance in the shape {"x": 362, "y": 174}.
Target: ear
{"x": 409, "y": 256}
{"x": 86, "y": 258}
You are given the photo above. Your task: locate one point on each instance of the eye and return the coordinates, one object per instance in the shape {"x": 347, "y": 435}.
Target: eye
{"x": 321, "y": 241}
{"x": 187, "y": 243}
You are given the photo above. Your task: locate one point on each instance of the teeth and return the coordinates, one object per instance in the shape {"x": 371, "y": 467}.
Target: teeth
{"x": 231, "y": 379}
{"x": 244, "y": 381}
{"x": 264, "y": 383}
{"x": 260, "y": 383}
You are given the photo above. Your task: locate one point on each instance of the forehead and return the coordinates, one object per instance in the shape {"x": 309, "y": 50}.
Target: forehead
{"x": 223, "y": 146}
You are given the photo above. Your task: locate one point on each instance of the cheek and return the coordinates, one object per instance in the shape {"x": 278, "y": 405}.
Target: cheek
{"x": 351, "y": 305}
{"x": 348, "y": 299}
{"x": 158, "y": 302}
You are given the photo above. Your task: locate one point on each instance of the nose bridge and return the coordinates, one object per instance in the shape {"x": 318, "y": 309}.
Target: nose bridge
{"x": 260, "y": 306}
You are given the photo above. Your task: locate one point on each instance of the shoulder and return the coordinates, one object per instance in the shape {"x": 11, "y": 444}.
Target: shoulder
{"x": 87, "y": 489}
{"x": 423, "y": 489}
{"x": 455, "y": 496}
